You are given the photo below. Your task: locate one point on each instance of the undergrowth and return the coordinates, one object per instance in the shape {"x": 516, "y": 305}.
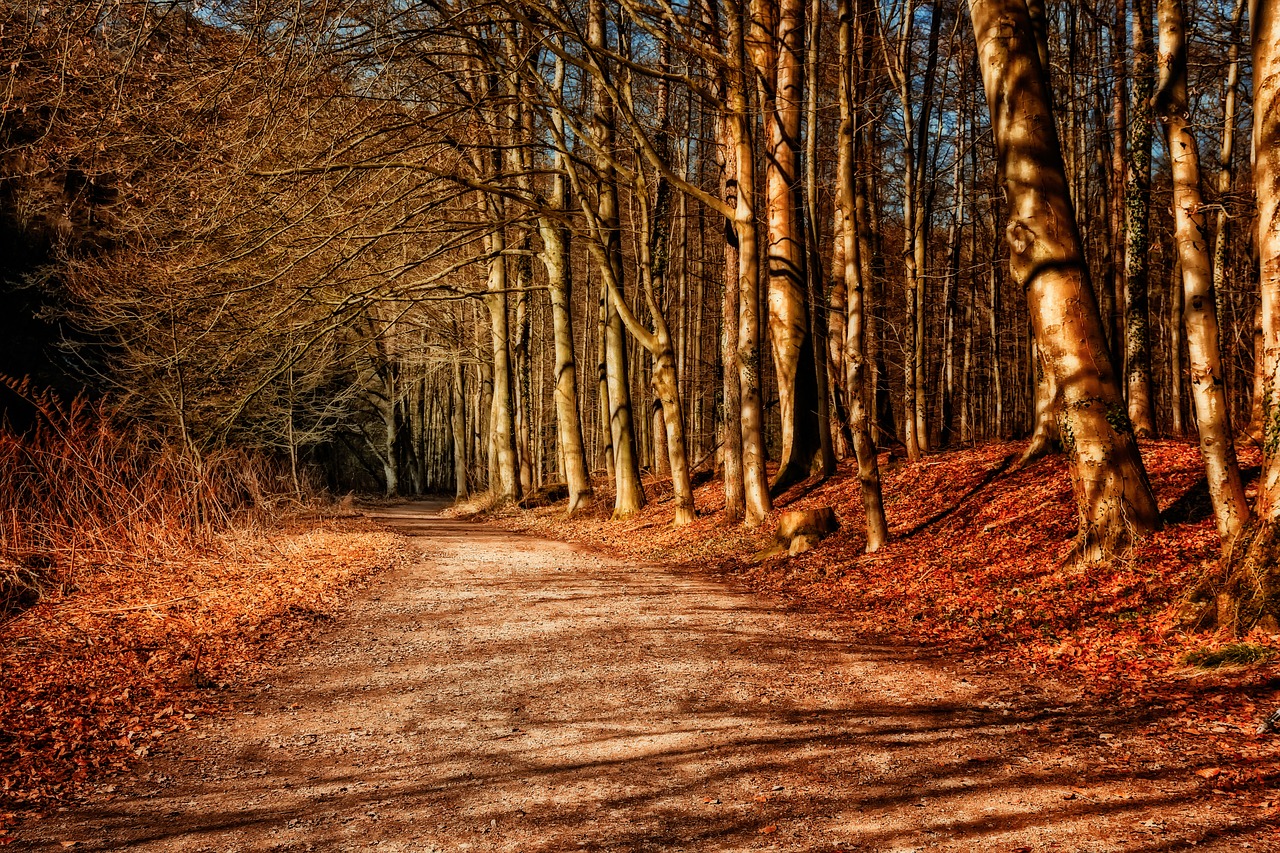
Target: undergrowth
{"x": 134, "y": 580}
{"x": 82, "y": 490}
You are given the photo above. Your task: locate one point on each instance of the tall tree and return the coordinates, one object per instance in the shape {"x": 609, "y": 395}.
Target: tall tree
{"x": 628, "y": 493}
{"x": 1137, "y": 200}
{"x": 854, "y": 356}
{"x": 1200, "y": 311}
{"x": 776, "y": 43}
{"x": 556, "y": 259}
{"x": 1113, "y": 495}
{"x": 1252, "y": 593}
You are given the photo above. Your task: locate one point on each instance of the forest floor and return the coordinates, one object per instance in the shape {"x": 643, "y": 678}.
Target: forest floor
{"x": 502, "y": 692}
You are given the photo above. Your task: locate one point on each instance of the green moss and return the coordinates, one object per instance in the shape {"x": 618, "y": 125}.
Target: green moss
{"x": 1118, "y": 417}
{"x": 1234, "y": 654}
{"x": 1270, "y": 423}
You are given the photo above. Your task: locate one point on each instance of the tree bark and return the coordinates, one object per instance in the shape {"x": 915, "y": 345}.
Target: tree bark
{"x": 1113, "y": 494}
{"x": 555, "y": 258}
{"x": 1137, "y": 337}
{"x": 816, "y": 286}
{"x": 629, "y": 493}
{"x": 854, "y": 343}
{"x": 1216, "y": 446}
{"x": 504, "y": 476}
{"x": 776, "y": 48}
{"x": 457, "y": 422}
{"x": 1251, "y": 595}
{"x": 755, "y": 480}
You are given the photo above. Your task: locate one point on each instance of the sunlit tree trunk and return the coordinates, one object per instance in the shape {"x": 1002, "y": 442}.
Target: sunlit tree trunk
{"x": 1201, "y": 316}
{"x": 854, "y": 344}
{"x": 726, "y": 158}
{"x": 504, "y": 481}
{"x": 1112, "y": 492}
{"x": 776, "y": 48}
{"x": 1252, "y": 593}
{"x": 836, "y": 308}
{"x": 629, "y": 496}
{"x": 1044, "y": 427}
{"x": 735, "y": 498}
{"x": 745, "y": 227}
{"x": 555, "y": 258}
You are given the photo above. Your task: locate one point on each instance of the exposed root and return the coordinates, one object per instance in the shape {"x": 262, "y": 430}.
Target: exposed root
{"x": 1245, "y": 592}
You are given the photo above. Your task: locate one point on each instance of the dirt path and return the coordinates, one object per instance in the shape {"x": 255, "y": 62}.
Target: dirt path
{"x": 506, "y": 693}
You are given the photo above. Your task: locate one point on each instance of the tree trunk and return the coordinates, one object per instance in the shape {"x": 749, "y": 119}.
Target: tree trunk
{"x": 1116, "y": 188}
{"x": 735, "y": 498}
{"x": 1176, "y": 319}
{"x": 755, "y": 481}
{"x": 1044, "y": 431}
{"x": 555, "y": 257}
{"x": 504, "y": 477}
{"x": 1112, "y": 492}
{"x": 604, "y": 434}
{"x": 1252, "y": 592}
{"x": 457, "y": 423}
{"x": 855, "y": 348}
{"x": 629, "y": 494}
{"x": 816, "y": 287}
{"x": 776, "y": 45}
{"x": 1216, "y": 447}
{"x": 1137, "y": 338}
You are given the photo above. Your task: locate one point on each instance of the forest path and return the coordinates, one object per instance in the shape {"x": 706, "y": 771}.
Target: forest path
{"x": 504, "y": 693}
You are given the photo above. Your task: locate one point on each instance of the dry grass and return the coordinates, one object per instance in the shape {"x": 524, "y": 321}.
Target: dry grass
{"x": 81, "y": 491}
{"x": 134, "y": 582}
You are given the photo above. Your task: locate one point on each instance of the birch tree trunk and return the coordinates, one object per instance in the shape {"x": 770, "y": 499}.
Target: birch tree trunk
{"x": 1200, "y": 314}
{"x": 1113, "y": 495}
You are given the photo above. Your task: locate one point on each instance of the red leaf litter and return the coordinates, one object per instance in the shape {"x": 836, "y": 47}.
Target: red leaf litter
{"x": 976, "y": 568}
{"x": 99, "y": 675}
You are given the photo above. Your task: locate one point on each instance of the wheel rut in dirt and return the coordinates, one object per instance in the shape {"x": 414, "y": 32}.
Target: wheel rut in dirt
{"x": 504, "y": 693}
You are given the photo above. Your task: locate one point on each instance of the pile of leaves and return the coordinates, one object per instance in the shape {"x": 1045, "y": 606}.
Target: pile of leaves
{"x": 978, "y": 566}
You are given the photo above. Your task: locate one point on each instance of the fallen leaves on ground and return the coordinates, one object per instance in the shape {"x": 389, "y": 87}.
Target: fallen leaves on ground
{"x": 99, "y": 675}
